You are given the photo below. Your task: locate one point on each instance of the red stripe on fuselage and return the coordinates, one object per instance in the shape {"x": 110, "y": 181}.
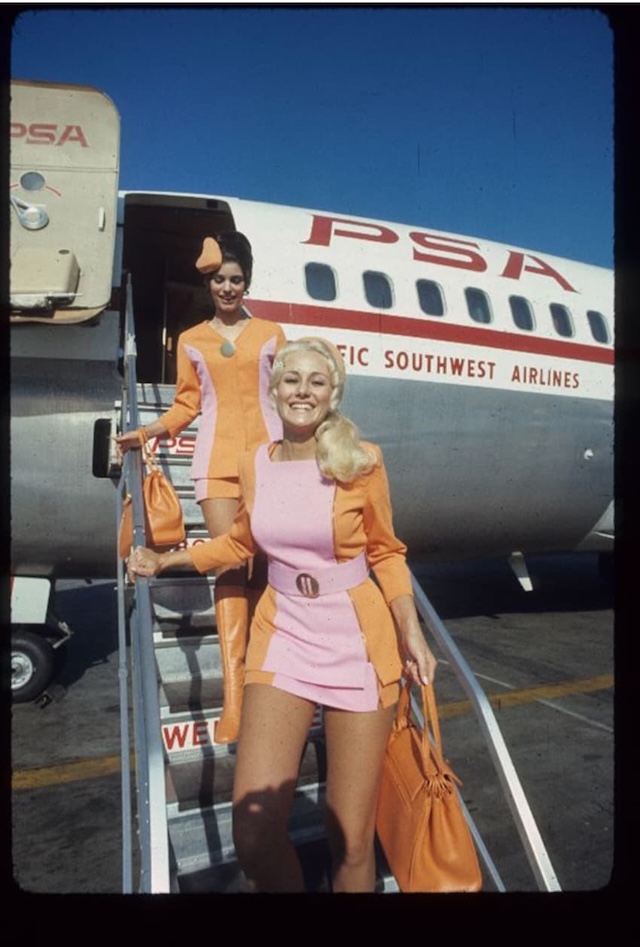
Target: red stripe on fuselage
{"x": 373, "y": 322}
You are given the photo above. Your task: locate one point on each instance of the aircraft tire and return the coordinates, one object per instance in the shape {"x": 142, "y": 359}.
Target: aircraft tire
{"x": 32, "y": 665}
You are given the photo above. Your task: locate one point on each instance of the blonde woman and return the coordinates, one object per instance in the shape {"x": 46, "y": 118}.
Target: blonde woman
{"x": 324, "y": 634}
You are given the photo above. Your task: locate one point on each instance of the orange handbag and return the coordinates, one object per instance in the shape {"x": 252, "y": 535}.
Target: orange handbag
{"x": 164, "y": 523}
{"x": 420, "y": 823}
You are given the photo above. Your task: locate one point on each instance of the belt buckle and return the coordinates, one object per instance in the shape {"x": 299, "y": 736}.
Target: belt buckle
{"x": 307, "y": 585}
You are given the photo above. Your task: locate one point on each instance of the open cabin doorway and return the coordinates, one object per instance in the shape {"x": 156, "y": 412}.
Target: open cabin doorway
{"x": 163, "y": 237}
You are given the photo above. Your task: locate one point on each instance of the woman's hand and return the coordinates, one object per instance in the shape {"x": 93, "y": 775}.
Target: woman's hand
{"x": 143, "y": 561}
{"x": 146, "y": 562}
{"x": 125, "y": 442}
{"x": 419, "y": 661}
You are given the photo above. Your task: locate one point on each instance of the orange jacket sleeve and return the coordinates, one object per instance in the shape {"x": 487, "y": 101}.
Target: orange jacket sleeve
{"x": 234, "y": 547}
{"x": 386, "y": 553}
{"x": 238, "y": 544}
{"x": 186, "y": 403}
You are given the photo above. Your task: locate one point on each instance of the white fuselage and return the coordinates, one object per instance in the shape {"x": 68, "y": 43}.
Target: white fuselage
{"x": 484, "y": 371}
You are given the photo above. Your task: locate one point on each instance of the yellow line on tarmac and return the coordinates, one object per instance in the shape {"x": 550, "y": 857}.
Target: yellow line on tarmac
{"x": 46, "y": 776}
{"x": 528, "y": 695}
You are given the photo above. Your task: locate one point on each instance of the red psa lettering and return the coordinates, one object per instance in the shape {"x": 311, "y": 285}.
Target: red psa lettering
{"x": 185, "y": 445}
{"x": 515, "y": 266}
{"x": 322, "y": 230}
{"x": 462, "y": 258}
{"x": 73, "y": 133}
{"x": 167, "y": 442}
{"x": 42, "y": 134}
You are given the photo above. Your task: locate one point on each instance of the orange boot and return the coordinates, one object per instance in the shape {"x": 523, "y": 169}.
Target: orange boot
{"x": 256, "y": 584}
{"x": 232, "y": 626}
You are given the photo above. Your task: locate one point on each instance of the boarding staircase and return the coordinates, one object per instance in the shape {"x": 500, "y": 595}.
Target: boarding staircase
{"x": 171, "y": 695}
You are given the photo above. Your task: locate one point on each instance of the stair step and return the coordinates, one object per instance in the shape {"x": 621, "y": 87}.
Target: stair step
{"x": 202, "y": 839}
{"x": 228, "y": 878}
{"x": 179, "y": 591}
{"x": 190, "y": 733}
{"x": 192, "y": 695}
{"x": 206, "y": 779}
{"x": 187, "y": 661}
{"x": 315, "y": 861}
{"x": 171, "y": 632}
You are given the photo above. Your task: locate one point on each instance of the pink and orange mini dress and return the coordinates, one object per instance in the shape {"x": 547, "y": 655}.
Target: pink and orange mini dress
{"x": 322, "y": 629}
{"x": 228, "y": 383}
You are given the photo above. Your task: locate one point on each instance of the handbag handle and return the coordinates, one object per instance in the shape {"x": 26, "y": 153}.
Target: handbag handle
{"x": 148, "y": 455}
{"x": 431, "y": 752}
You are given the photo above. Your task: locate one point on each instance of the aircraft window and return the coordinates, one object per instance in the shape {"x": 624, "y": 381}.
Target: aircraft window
{"x": 478, "y": 305}
{"x": 522, "y": 313}
{"x": 321, "y": 281}
{"x": 598, "y": 326}
{"x": 561, "y": 319}
{"x": 430, "y": 297}
{"x": 377, "y": 289}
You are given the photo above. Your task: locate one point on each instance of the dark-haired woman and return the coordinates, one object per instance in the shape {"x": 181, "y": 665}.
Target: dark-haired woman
{"x": 223, "y": 368}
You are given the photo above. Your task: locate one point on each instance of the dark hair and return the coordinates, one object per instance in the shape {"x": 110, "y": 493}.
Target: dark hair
{"x": 235, "y": 248}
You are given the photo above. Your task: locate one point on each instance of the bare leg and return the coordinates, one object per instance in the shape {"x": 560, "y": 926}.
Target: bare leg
{"x": 356, "y": 744}
{"x": 272, "y": 736}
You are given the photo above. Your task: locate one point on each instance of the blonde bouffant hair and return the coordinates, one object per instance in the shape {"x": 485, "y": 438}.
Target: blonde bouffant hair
{"x": 340, "y": 454}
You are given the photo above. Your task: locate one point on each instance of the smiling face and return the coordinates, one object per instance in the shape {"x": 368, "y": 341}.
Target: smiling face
{"x": 303, "y": 393}
{"x": 227, "y": 286}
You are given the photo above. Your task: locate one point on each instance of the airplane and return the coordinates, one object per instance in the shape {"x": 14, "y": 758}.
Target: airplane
{"x": 483, "y": 370}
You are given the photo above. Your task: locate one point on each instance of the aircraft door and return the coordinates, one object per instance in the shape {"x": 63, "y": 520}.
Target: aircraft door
{"x": 163, "y": 237}
{"x": 63, "y": 188}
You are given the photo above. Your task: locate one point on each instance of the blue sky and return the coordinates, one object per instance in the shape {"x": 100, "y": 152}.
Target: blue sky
{"x": 492, "y": 122}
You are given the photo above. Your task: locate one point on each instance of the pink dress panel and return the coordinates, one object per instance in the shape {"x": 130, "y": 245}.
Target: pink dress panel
{"x": 270, "y": 416}
{"x": 209, "y": 409}
{"x": 317, "y": 642}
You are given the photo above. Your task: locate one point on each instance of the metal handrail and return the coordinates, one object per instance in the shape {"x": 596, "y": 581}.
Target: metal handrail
{"x": 149, "y": 750}
{"x": 125, "y": 738}
{"x": 525, "y": 823}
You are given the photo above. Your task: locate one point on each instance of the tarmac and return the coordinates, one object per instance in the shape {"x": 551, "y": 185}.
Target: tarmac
{"x": 544, "y": 658}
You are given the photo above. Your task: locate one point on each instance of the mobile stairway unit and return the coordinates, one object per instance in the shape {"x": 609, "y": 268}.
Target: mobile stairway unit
{"x": 171, "y": 680}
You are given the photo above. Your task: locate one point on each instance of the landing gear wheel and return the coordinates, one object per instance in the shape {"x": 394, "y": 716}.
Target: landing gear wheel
{"x": 32, "y": 665}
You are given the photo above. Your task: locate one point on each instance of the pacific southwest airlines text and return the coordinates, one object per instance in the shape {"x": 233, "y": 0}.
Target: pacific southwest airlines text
{"x": 425, "y": 363}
